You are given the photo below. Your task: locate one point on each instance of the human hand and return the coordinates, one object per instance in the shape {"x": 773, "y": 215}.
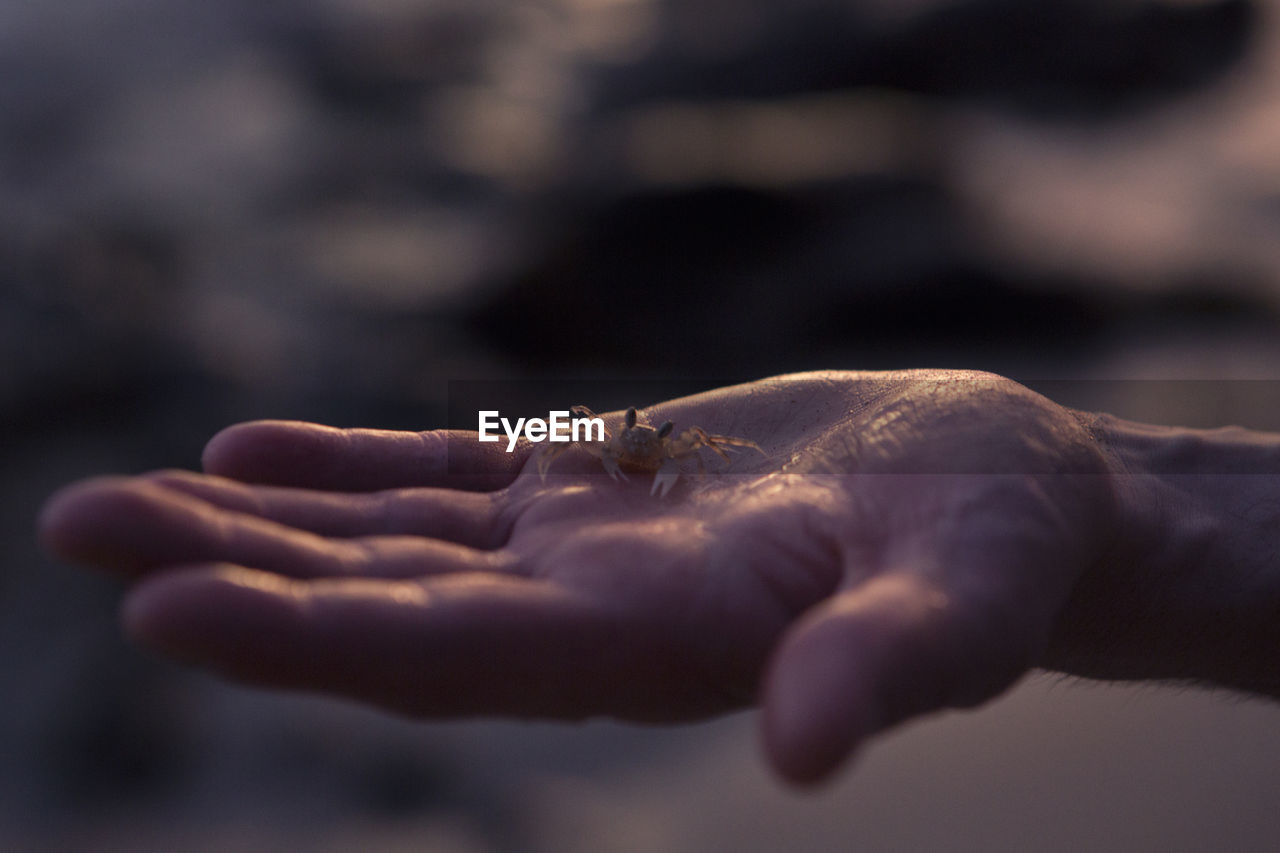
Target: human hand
{"x": 905, "y": 544}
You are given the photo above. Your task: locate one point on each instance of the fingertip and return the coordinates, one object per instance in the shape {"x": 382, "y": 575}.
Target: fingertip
{"x": 855, "y": 665}
{"x": 209, "y": 614}
{"x": 813, "y": 719}
{"x": 258, "y": 450}
{"x": 143, "y": 609}
{"x": 53, "y": 520}
{"x": 808, "y": 771}
{"x": 71, "y": 523}
{"x": 822, "y": 691}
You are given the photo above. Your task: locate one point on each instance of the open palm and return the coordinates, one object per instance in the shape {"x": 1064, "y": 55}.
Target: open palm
{"x": 904, "y": 544}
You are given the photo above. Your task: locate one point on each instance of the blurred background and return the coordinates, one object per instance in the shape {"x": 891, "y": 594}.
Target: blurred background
{"x": 212, "y": 212}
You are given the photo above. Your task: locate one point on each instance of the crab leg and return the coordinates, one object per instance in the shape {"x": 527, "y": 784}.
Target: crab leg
{"x": 611, "y": 466}
{"x": 666, "y": 477}
{"x": 584, "y": 412}
{"x": 695, "y": 438}
{"x": 731, "y": 441}
{"x": 547, "y": 456}
{"x": 549, "y": 453}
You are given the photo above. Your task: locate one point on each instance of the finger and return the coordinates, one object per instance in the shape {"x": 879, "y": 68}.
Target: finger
{"x": 293, "y": 453}
{"x": 871, "y": 657}
{"x": 458, "y": 645}
{"x": 131, "y": 526}
{"x": 468, "y": 518}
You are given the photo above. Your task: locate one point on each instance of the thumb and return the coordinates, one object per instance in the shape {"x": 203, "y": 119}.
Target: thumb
{"x": 894, "y": 647}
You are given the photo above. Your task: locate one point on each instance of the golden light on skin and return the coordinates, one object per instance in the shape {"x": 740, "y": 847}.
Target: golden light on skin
{"x": 263, "y": 581}
{"x": 908, "y": 597}
{"x": 408, "y": 593}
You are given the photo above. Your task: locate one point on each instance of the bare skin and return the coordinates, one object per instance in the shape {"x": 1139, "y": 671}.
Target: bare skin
{"x": 907, "y": 542}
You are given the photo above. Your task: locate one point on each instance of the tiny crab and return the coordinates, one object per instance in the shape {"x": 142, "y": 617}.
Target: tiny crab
{"x": 640, "y": 448}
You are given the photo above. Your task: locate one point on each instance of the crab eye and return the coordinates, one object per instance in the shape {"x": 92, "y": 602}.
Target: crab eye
{"x": 665, "y": 429}
{"x": 631, "y": 417}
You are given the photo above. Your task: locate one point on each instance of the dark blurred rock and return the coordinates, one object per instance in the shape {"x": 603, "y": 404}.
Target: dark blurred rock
{"x": 656, "y": 281}
{"x": 732, "y": 280}
{"x": 1081, "y": 58}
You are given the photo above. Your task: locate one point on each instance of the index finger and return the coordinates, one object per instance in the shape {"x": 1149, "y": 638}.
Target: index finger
{"x": 297, "y": 453}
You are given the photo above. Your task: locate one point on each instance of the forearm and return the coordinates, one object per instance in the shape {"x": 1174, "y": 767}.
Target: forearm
{"x": 1190, "y": 588}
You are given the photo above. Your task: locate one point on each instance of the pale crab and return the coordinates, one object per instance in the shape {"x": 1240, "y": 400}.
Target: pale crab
{"x": 640, "y": 448}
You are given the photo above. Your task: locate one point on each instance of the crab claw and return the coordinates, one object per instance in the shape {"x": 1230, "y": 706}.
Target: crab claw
{"x": 665, "y": 478}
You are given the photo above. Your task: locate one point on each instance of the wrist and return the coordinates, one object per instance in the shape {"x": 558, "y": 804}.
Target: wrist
{"x": 1190, "y": 586}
